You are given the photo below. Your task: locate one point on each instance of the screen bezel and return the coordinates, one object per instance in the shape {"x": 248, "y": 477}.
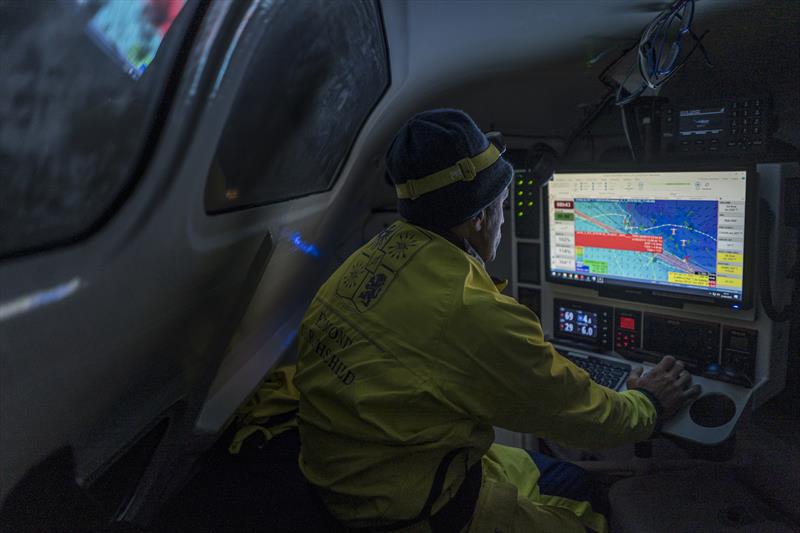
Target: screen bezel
{"x": 664, "y": 295}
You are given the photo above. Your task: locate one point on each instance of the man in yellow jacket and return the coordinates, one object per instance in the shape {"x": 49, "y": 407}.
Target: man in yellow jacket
{"x": 409, "y": 355}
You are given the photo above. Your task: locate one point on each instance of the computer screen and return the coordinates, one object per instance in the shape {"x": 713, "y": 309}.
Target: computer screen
{"x": 674, "y": 233}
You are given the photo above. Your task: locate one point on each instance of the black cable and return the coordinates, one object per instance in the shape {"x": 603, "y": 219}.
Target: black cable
{"x": 599, "y": 108}
{"x": 627, "y": 133}
{"x": 651, "y": 53}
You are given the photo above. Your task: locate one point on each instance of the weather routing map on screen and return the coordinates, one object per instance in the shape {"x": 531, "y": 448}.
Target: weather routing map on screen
{"x": 682, "y": 230}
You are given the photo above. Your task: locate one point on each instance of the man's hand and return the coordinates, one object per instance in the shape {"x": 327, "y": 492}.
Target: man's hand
{"x": 668, "y": 382}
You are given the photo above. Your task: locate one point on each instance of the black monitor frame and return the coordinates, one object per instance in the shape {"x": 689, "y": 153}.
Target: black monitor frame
{"x": 662, "y": 295}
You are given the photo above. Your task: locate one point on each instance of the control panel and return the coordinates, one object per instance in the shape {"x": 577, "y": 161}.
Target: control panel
{"x": 627, "y": 329}
{"x": 739, "y": 349}
{"x": 693, "y": 342}
{"x": 583, "y": 323}
{"x": 706, "y": 348}
{"x": 732, "y": 127}
{"x": 525, "y": 199}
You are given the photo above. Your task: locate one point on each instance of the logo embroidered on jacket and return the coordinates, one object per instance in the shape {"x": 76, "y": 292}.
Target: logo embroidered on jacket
{"x": 370, "y": 274}
{"x": 373, "y": 288}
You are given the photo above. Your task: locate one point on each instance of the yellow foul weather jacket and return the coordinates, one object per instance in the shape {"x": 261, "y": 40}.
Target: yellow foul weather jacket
{"x": 408, "y": 352}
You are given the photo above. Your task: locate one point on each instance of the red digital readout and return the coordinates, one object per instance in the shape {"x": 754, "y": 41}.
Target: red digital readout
{"x": 626, "y": 322}
{"x": 564, "y": 204}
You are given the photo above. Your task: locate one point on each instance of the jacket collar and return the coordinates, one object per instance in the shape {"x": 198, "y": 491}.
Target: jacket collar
{"x": 459, "y": 242}
{"x": 466, "y": 247}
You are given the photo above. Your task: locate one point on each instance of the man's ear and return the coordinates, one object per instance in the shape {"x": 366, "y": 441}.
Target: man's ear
{"x": 479, "y": 220}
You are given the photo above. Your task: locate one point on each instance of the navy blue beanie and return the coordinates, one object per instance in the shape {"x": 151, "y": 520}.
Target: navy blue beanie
{"x": 431, "y": 142}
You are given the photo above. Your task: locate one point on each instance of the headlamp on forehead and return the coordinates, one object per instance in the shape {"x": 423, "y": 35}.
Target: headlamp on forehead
{"x": 465, "y": 169}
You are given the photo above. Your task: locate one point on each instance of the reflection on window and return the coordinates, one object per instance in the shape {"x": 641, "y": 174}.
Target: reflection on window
{"x": 132, "y": 30}
{"x": 72, "y": 122}
{"x": 318, "y": 69}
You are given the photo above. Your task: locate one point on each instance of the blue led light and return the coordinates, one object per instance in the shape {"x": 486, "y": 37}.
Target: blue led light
{"x": 735, "y": 306}
{"x": 289, "y": 339}
{"x": 306, "y": 248}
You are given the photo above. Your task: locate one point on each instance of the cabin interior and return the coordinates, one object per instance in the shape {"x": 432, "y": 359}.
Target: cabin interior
{"x": 180, "y": 177}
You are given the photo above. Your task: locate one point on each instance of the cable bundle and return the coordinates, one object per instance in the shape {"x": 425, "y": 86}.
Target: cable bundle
{"x": 656, "y": 62}
{"x": 659, "y": 49}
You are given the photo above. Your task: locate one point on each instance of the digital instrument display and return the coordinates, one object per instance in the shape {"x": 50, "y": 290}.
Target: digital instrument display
{"x": 627, "y": 329}
{"x": 582, "y": 322}
{"x": 701, "y": 121}
{"x": 738, "y": 126}
{"x": 681, "y": 232}
{"x": 577, "y": 322}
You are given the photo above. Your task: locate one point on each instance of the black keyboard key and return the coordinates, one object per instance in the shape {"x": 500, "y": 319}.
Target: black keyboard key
{"x": 602, "y": 371}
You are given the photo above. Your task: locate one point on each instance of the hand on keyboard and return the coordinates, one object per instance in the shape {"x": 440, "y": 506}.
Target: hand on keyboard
{"x": 668, "y": 382}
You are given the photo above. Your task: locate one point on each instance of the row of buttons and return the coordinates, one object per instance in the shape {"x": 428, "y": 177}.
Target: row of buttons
{"x": 747, "y": 113}
{"x": 745, "y": 122}
{"x": 747, "y": 128}
{"x": 747, "y": 103}
{"x": 701, "y": 141}
{"x": 606, "y": 373}
{"x": 627, "y": 340}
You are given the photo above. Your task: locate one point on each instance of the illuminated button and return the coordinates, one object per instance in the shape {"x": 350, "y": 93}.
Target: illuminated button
{"x": 530, "y": 204}
{"x": 530, "y": 182}
{"x": 519, "y": 193}
{"x": 519, "y": 213}
{"x": 520, "y": 203}
{"x": 520, "y": 182}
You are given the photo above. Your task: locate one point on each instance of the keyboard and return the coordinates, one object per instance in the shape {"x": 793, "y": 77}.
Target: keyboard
{"x": 608, "y": 373}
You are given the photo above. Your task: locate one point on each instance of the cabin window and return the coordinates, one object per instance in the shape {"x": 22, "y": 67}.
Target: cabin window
{"x": 317, "y": 70}
{"x": 80, "y": 82}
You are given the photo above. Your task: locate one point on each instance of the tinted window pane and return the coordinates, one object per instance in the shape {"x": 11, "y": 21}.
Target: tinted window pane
{"x": 318, "y": 69}
{"x": 80, "y": 82}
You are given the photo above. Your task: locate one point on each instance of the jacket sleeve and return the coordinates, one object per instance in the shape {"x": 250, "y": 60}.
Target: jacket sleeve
{"x": 505, "y": 374}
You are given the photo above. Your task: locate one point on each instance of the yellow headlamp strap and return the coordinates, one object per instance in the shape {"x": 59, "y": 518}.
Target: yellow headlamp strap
{"x": 464, "y": 170}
